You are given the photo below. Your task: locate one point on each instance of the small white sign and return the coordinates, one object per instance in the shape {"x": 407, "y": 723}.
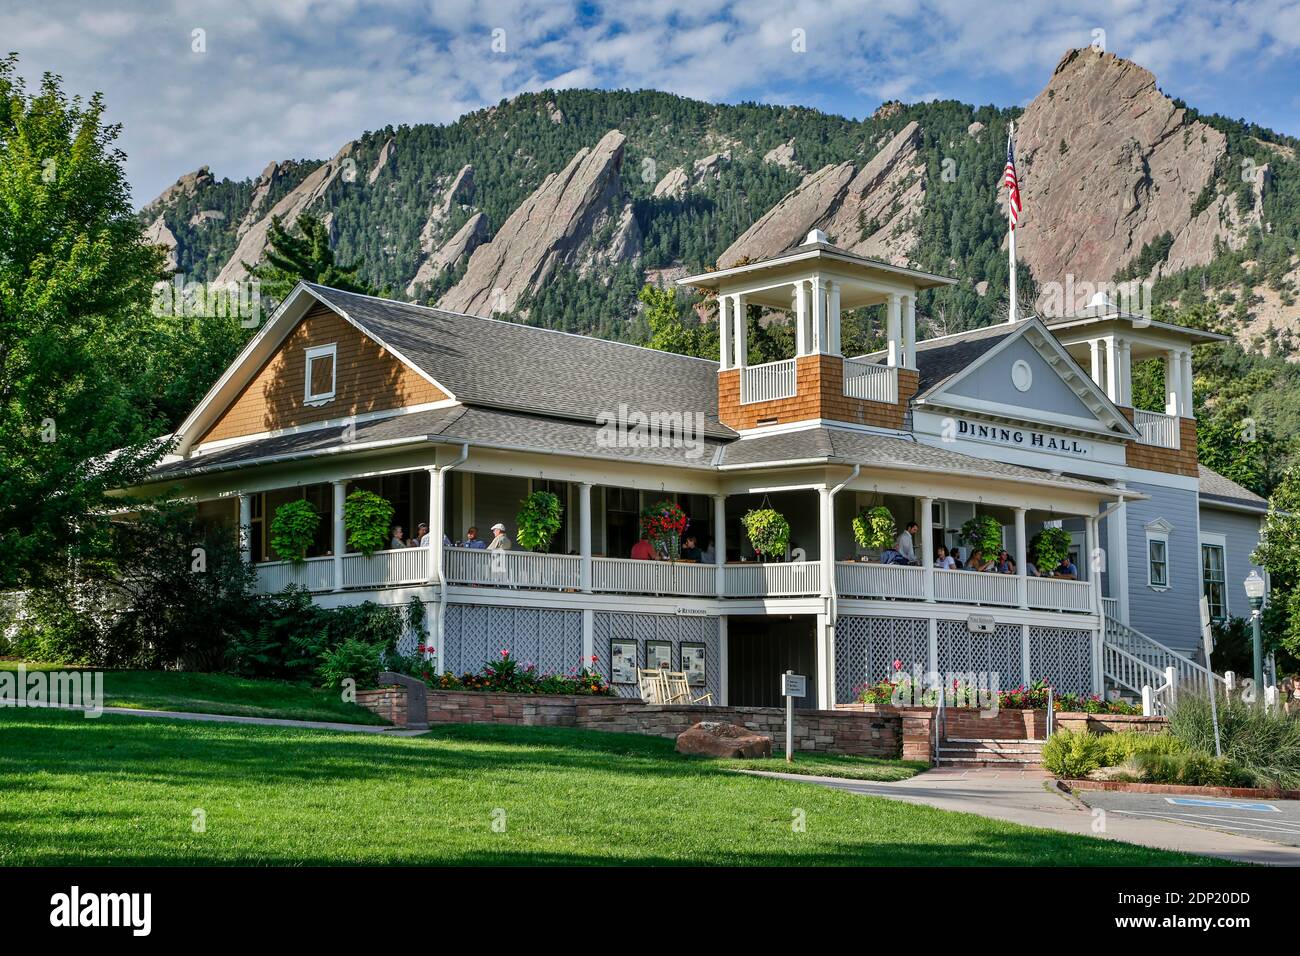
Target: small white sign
{"x": 794, "y": 685}
{"x": 981, "y": 624}
{"x": 1207, "y": 630}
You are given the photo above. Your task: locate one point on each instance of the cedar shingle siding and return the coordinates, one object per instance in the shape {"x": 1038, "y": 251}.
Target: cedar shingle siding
{"x": 819, "y": 393}
{"x": 367, "y": 379}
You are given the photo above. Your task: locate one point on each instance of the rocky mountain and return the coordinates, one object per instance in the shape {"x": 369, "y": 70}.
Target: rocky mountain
{"x": 556, "y": 207}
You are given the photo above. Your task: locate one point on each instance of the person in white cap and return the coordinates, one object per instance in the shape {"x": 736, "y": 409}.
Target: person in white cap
{"x": 500, "y": 540}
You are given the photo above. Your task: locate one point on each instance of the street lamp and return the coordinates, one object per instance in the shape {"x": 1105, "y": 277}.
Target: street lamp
{"x": 1255, "y": 588}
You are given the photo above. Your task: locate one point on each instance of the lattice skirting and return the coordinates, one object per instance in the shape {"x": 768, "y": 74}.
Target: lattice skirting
{"x": 609, "y": 626}
{"x": 866, "y": 648}
{"x": 475, "y": 634}
{"x": 1063, "y": 656}
{"x": 996, "y": 659}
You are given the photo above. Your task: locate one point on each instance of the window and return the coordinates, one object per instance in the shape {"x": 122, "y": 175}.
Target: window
{"x": 1158, "y": 532}
{"x": 320, "y": 375}
{"x": 1214, "y": 578}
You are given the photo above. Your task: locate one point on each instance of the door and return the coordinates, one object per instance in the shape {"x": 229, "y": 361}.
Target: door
{"x": 761, "y": 649}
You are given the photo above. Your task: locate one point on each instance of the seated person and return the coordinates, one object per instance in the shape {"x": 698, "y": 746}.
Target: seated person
{"x": 707, "y": 556}
{"x": 942, "y": 559}
{"x": 643, "y": 550}
{"x": 1066, "y": 569}
{"x": 1031, "y": 565}
{"x": 690, "y": 549}
{"x": 472, "y": 540}
{"x": 397, "y": 537}
{"x": 1005, "y": 564}
{"x": 500, "y": 540}
{"x": 890, "y": 556}
{"x": 978, "y": 562}
{"x": 955, "y": 554}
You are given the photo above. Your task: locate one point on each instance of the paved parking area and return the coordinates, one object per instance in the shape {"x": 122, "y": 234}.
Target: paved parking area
{"x": 1277, "y": 821}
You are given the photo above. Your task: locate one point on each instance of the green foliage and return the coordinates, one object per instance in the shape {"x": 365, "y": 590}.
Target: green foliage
{"x": 1279, "y": 554}
{"x": 874, "y": 528}
{"x": 506, "y": 675}
{"x": 1264, "y": 744}
{"x": 155, "y": 591}
{"x": 983, "y": 532}
{"x": 367, "y": 517}
{"x": 1191, "y": 768}
{"x": 293, "y": 529}
{"x": 303, "y": 253}
{"x": 353, "y": 658}
{"x": 75, "y": 287}
{"x": 1072, "y": 755}
{"x": 674, "y": 327}
{"x": 1051, "y": 545}
{"x": 768, "y": 532}
{"x": 538, "y": 520}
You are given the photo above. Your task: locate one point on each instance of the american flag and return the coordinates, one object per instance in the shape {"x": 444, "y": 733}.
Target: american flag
{"x": 1012, "y": 184}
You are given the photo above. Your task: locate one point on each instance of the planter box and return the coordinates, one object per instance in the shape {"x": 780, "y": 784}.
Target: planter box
{"x": 1109, "y": 723}
{"x": 971, "y": 723}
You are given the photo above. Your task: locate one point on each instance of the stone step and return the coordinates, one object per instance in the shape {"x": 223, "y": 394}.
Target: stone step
{"x": 991, "y": 740}
{"x": 966, "y": 763}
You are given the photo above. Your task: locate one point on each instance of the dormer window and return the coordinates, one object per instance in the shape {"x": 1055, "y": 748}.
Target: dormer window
{"x": 321, "y": 374}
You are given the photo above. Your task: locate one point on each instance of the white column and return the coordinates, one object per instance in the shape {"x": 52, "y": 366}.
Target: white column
{"x": 246, "y": 528}
{"x": 826, "y": 509}
{"x": 740, "y": 327}
{"x": 435, "y": 523}
{"x": 722, "y": 658}
{"x": 1185, "y": 379}
{"x": 909, "y": 333}
{"x": 927, "y": 546}
{"x": 720, "y": 541}
{"x": 1125, "y": 371}
{"x": 1112, "y": 368}
{"x": 818, "y": 316}
{"x": 724, "y": 335}
{"x": 584, "y": 534}
{"x": 1117, "y": 558}
{"x": 1173, "y": 390}
{"x": 1094, "y": 351}
{"x": 1022, "y": 580}
{"x": 588, "y": 636}
{"x": 1093, "y": 561}
{"x": 1026, "y": 664}
{"x": 799, "y": 297}
{"x": 833, "y": 318}
{"x": 893, "y": 329}
{"x": 339, "y": 541}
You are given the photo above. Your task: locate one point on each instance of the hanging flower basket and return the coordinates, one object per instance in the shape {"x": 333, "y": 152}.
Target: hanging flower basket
{"x": 983, "y": 532}
{"x": 539, "y": 519}
{"x": 663, "y": 524}
{"x": 1051, "y": 545}
{"x": 768, "y": 532}
{"x": 874, "y": 528}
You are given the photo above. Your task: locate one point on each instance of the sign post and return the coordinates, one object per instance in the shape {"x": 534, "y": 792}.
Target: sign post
{"x": 1207, "y": 637}
{"x": 792, "y": 685}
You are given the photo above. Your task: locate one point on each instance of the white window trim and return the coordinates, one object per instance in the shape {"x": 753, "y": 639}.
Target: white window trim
{"x": 1216, "y": 540}
{"x": 313, "y": 353}
{"x": 1159, "y": 530}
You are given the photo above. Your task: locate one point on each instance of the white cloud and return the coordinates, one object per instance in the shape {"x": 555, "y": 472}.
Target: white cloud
{"x": 299, "y": 78}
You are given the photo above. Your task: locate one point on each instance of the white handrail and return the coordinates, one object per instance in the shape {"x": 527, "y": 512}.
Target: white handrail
{"x": 514, "y": 569}
{"x": 763, "y": 383}
{"x": 1157, "y": 428}
{"x": 975, "y": 587}
{"x": 630, "y": 576}
{"x": 876, "y": 383}
{"x": 790, "y": 579}
{"x": 894, "y": 581}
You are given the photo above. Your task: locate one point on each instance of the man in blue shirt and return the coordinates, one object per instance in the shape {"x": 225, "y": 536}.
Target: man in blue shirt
{"x": 1066, "y": 569}
{"x": 472, "y": 540}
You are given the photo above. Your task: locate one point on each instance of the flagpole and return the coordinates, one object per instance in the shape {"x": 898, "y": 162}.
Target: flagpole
{"x": 1011, "y": 229}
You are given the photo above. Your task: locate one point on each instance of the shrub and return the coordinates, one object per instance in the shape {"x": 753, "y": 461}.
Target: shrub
{"x": 1123, "y": 746}
{"x": 353, "y": 658}
{"x": 293, "y": 529}
{"x": 1051, "y": 545}
{"x": 768, "y": 531}
{"x": 983, "y": 532}
{"x": 538, "y": 520}
{"x": 1072, "y": 755}
{"x": 506, "y": 675}
{"x": 1191, "y": 768}
{"x": 368, "y": 519}
{"x": 1264, "y": 744}
{"x": 874, "y": 528}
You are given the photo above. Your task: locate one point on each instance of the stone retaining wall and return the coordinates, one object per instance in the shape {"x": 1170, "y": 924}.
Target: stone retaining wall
{"x": 1110, "y": 723}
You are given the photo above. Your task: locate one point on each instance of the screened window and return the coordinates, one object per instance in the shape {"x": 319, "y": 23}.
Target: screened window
{"x": 320, "y": 377}
{"x": 1214, "y": 579}
{"x": 1158, "y": 558}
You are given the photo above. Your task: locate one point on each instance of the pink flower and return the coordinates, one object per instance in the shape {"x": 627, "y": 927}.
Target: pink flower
{"x": 898, "y": 665}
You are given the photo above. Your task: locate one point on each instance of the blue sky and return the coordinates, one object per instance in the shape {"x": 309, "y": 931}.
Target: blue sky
{"x": 298, "y": 78}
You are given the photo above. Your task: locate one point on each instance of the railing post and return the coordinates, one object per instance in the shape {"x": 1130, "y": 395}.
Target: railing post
{"x": 1022, "y": 572}
{"x": 584, "y": 535}
{"x": 339, "y": 539}
{"x": 927, "y": 548}
{"x": 1148, "y": 701}
{"x": 434, "y": 570}
{"x": 720, "y": 543}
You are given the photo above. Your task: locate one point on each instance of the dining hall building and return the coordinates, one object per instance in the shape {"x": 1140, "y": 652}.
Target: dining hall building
{"x": 456, "y": 418}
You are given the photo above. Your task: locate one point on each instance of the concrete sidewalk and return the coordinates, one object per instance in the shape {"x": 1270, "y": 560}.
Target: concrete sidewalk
{"x": 257, "y": 721}
{"x": 1031, "y": 798}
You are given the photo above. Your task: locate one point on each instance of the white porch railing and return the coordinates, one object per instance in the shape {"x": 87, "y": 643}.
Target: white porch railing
{"x": 1157, "y": 428}
{"x": 762, "y": 383}
{"x": 627, "y": 576}
{"x": 877, "y": 383}
{"x": 1110, "y": 607}
{"x": 399, "y": 566}
{"x": 1059, "y": 594}
{"x": 975, "y": 587}
{"x": 314, "y": 574}
{"x": 791, "y": 579}
{"x": 1189, "y": 675}
{"x": 514, "y": 569}
{"x": 898, "y": 581}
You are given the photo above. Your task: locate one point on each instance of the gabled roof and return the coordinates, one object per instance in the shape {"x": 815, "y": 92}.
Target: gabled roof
{"x": 490, "y": 363}
{"x": 943, "y": 363}
{"x": 1218, "y": 489}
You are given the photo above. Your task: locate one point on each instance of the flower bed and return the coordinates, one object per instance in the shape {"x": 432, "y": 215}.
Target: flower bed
{"x": 508, "y": 676}
{"x": 903, "y": 691}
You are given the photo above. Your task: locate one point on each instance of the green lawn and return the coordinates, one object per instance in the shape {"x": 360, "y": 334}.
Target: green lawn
{"x": 832, "y": 765}
{"x": 123, "y": 790}
{"x": 220, "y": 694}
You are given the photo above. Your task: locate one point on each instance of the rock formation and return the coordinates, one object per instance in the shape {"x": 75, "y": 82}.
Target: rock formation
{"x": 547, "y": 230}
{"x": 455, "y": 250}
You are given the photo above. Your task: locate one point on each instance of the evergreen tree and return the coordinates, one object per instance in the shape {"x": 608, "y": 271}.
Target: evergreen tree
{"x": 303, "y": 255}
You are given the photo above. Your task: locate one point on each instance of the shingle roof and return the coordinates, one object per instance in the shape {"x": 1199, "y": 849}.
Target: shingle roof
{"x": 940, "y": 359}
{"x": 850, "y": 446}
{"x": 1216, "y": 487}
{"x": 489, "y": 362}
